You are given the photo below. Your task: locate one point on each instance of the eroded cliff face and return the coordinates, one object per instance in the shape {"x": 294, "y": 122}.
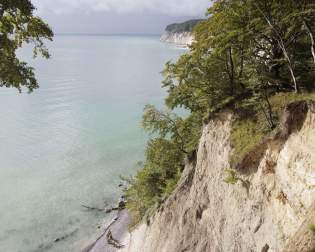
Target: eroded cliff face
{"x": 178, "y": 38}
{"x": 270, "y": 212}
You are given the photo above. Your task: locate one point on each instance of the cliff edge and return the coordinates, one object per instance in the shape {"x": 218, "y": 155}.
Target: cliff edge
{"x": 270, "y": 208}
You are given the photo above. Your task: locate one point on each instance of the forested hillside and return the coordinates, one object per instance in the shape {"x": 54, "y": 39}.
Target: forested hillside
{"x": 251, "y": 57}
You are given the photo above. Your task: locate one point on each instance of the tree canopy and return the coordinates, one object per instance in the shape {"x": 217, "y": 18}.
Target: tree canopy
{"x": 243, "y": 53}
{"x": 18, "y": 26}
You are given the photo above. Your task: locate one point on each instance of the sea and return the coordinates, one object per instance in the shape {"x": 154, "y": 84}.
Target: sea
{"x": 68, "y": 143}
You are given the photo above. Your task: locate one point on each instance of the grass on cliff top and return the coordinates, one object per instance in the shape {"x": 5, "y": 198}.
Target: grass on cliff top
{"x": 248, "y": 131}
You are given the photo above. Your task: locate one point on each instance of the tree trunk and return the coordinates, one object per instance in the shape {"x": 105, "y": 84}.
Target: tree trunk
{"x": 293, "y": 78}
{"x": 240, "y": 74}
{"x": 282, "y": 46}
{"x": 310, "y": 32}
{"x": 270, "y": 112}
{"x": 287, "y": 57}
{"x": 265, "y": 114}
{"x": 1, "y": 11}
{"x": 231, "y": 72}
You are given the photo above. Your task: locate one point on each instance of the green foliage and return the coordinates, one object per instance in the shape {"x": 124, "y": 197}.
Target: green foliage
{"x": 246, "y": 134}
{"x": 158, "y": 177}
{"x": 18, "y": 26}
{"x": 187, "y": 26}
{"x": 172, "y": 138}
{"x": 195, "y": 86}
{"x": 244, "y": 49}
{"x": 280, "y": 100}
{"x": 184, "y": 132}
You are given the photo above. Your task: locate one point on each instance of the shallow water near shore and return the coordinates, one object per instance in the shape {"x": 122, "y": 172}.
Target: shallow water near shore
{"x": 67, "y": 143}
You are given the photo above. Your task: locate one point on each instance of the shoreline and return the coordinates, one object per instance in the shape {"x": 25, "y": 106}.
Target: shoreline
{"x": 114, "y": 233}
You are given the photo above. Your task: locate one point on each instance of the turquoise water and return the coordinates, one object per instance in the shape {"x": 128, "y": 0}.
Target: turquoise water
{"x": 67, "y": 143}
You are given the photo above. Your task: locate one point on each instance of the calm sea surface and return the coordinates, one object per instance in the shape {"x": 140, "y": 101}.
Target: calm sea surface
{"x": 67, "y": 143}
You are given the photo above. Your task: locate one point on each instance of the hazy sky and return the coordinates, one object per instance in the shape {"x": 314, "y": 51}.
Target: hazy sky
{"x": 117, "y": 16}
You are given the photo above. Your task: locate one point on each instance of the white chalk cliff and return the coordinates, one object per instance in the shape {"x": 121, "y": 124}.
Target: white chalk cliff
{"x": 270, "y": 212}
{"x": 178, "y": 38}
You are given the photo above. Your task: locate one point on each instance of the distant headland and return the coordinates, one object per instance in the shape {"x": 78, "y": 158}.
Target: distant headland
{"x": 180, "y": 33}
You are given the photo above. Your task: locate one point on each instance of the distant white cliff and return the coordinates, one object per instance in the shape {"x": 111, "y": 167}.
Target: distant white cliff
{"x": 180, "y": 34}
{"x": 178, "y": 38}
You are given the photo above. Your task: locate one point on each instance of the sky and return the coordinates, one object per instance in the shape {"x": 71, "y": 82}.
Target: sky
{"x": 117, "y": 16}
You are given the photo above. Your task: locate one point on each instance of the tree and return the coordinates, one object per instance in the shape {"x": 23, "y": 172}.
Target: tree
{"x": 184, "y": 133}
{"x": 18, "y": 26}
{"x": 282, "y": 28}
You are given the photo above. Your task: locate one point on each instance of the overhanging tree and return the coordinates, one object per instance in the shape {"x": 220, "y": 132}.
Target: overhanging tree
{"x": 18, "y": 26}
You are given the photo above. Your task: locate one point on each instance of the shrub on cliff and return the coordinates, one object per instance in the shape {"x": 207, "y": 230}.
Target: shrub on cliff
{"x": 172, "y": 138}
